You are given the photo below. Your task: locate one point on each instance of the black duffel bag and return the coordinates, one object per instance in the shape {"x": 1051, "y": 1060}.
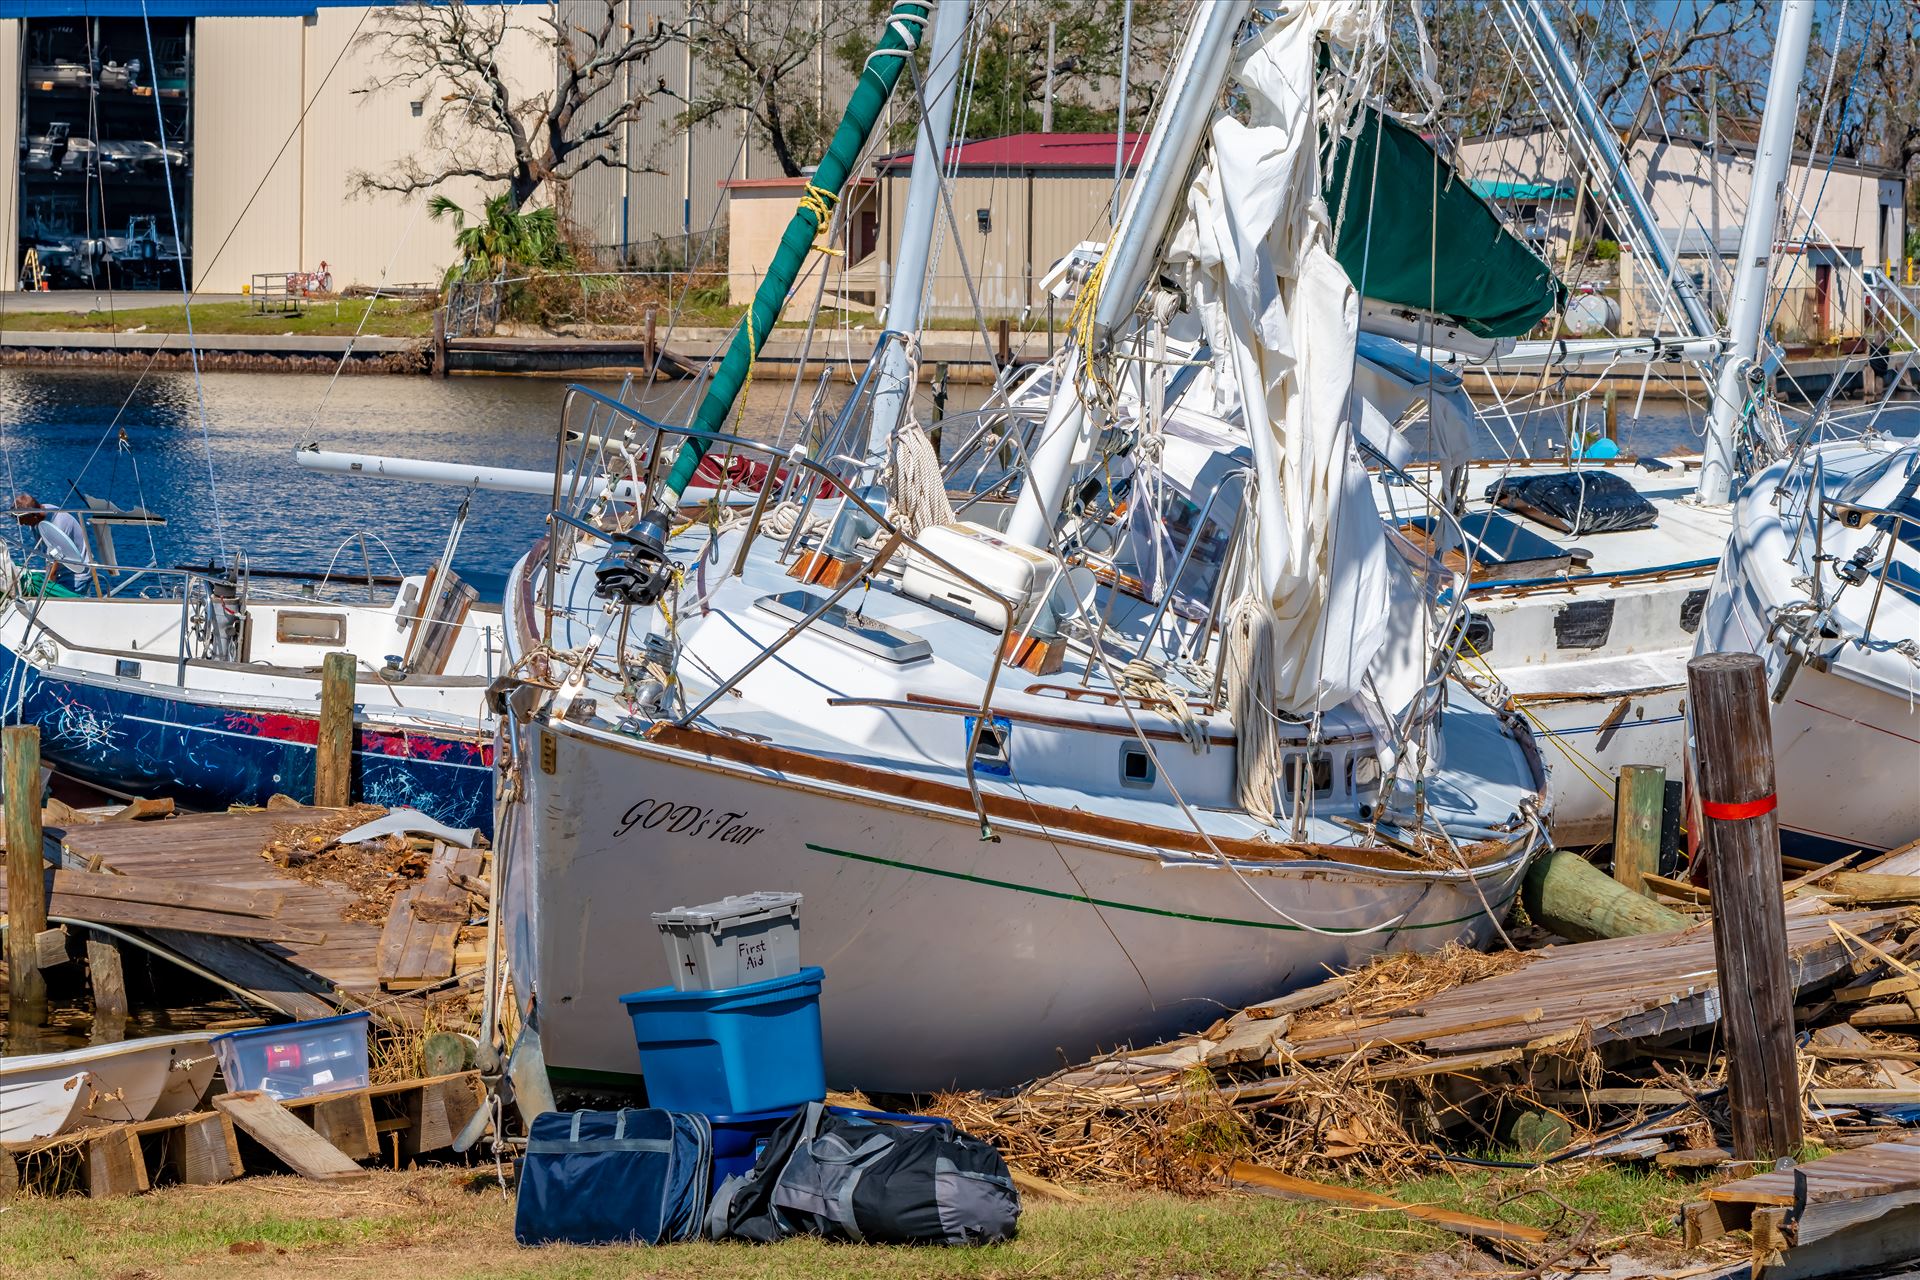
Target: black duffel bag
{"x": 846, "y": 1177}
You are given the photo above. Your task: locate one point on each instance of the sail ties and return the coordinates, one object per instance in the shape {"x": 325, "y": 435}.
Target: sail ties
{"x": 820, "y": 203}
{"x": 905, "y": 24}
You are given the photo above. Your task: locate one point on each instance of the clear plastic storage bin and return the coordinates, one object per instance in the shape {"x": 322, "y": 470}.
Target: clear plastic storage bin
{"x": 297, "y": 1059}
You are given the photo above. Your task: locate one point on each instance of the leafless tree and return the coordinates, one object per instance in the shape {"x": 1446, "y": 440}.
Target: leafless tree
{"x": 765, "y": 57}
{"x": 484, "y": 125}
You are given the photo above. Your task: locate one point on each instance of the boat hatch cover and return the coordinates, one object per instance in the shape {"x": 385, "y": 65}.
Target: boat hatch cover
{"x": 869, "y": 635}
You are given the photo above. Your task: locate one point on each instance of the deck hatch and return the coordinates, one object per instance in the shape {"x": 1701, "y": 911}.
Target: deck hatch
{"x": 855, "y": 630}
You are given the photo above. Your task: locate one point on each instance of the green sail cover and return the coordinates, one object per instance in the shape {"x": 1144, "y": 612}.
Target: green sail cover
{"x": 1447, "y": 252}
{"x": 904, "y": 25}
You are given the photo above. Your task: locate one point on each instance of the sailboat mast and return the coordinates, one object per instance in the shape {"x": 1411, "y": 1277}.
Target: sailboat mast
{"x": 870, "y": 93}
{"x": 893, "y": 387}
{"x": 1752, "y": 270}
{"x": 1159, "y": 185}
{"x": 1532, "y": 13}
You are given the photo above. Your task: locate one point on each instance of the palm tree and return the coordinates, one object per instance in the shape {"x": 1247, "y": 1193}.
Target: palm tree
{"x": 505, "y": 239}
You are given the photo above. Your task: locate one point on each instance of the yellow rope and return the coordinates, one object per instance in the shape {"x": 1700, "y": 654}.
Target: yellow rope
{"x": 1080, "y": 323}
{"x": 1591, "y": 769}
{"x": 821, "y": 202}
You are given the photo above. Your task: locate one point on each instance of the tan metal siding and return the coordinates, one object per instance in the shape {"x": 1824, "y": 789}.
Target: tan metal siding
{"x": 349, "y": 129}
{"x": 10, "y": 147}
{"x": 246, "y": 86}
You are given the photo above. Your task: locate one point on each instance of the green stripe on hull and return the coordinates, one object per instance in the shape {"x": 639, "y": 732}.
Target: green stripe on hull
{"x": 1125, "y": 906}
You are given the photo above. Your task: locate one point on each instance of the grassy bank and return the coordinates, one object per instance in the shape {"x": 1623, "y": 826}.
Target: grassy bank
{"x": 392, "y": 317}
{"x": 454, "y": 1224}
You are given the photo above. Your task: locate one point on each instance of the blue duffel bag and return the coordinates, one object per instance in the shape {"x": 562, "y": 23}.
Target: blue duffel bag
{"x": 614, "y": 1177}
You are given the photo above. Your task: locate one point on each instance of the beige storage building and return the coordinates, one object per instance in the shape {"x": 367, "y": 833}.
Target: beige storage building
{"x": 1021, "y": 202}
{"x": 1859, "y": 219}
{"x": 261, "y": 188}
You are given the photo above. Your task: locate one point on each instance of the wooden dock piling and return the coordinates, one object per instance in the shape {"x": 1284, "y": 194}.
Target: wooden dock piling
{"x": 1639, "y": 797}
{"x": 26, "y": 874}
{"x": 333, "y": 762}
{"x": 1734, "y": 768}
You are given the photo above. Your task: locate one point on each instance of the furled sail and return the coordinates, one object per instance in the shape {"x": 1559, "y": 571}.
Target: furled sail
{"x": 1256, "y": 250}
{"x": 1411, "y": 231}
{"x": 902, "y": 36}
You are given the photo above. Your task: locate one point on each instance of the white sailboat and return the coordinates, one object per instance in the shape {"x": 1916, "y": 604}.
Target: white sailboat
{"x": 1583, "y": 627}
{"x": 1822, "y": 580}
{"x": 1048, "y": 775}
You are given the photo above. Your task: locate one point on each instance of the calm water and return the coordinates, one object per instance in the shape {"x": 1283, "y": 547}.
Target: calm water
{"x": 61, "y": 430}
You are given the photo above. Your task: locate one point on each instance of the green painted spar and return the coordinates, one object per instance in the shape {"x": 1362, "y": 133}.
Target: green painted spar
{"x": 897, "y": 43}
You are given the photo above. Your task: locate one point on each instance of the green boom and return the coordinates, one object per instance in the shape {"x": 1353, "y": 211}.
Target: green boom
{"x": 882, "y": 71}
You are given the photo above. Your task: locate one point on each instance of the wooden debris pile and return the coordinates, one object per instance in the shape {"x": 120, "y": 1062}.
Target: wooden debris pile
{"x": 1608, "y": 1049}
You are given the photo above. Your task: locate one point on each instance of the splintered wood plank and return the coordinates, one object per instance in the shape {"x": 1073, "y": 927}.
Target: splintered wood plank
{"x": 1270, "y": 1180}
{"x": 1882, "y": 1169}
{"x": 198, "y": 895}
{"x": 423, "y": 926}
{"x": 292, "y": 1143}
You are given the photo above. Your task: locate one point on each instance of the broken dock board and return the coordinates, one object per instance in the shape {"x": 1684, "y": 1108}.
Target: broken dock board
{"x": 226, "y": 852}
{"x": 292, "y": 1143}
{"x": 417, "y": 944}
{"x": 1839, "y": 1213}
{"x": 80, "y": 895}
{"x": 1274, "y": 1182}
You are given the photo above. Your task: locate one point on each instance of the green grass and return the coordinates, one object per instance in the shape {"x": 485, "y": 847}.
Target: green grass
{"x": 392, "y": 317}
{"x": 453, "y": 1224}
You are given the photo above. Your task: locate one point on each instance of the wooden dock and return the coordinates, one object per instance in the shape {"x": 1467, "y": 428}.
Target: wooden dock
{"x": 322, "y": 1138}
{"x": 317, "y": 954}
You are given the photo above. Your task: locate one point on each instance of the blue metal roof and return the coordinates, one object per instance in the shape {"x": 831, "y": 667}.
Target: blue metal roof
{"x": 176, "y": 8}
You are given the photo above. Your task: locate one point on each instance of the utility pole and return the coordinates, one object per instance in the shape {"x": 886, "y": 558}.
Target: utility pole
{"x": 1046, "y": 101}
{"x": 686, "y": 142}
{"x": 1120, "y": 126}
{"x": 1713, "y": 190}
{"x": 1751, "y": 272}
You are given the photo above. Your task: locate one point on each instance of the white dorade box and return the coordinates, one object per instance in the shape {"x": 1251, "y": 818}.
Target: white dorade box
{"x": 1016, "y": 573}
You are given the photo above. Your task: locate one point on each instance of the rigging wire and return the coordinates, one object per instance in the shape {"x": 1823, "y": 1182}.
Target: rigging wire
{"x": 186, "y": 299}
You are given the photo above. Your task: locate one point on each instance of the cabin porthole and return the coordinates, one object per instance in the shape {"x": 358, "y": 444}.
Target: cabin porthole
{"x": 993, "y": 749}
{"x": 1136, "y": 766}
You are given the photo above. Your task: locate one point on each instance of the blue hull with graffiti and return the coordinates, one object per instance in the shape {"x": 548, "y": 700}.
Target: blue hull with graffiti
{"x": 208, "y": 756}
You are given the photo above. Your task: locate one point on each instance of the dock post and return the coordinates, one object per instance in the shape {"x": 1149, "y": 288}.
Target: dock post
{"x": 26, "y": 875}
{"x": 1733, "y": 766}
{"x": 333, "y": 760}
{"x": 1613, "y": 415}
{"x": 107, "y": 977}
{"x": 649, "y": 351}
{"x": 440, "y": 342}
{"x": 1005, "y": 328}
{"x": 1639, "y": 797}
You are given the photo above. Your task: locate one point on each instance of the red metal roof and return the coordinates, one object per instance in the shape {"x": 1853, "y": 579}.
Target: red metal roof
{"x": 1033, "y": 151}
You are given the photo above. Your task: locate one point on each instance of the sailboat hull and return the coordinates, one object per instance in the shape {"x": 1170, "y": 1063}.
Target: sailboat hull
{"x": 950, "y": 960}
{"x": 140, "y": 738}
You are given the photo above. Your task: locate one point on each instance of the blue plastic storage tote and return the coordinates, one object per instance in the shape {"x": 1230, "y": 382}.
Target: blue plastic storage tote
{"x": 733, "y": 1051}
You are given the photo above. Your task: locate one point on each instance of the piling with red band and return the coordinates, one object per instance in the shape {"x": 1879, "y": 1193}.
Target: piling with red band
{"x": 1733, "y": 772}
{"x": 1742, "y": 809}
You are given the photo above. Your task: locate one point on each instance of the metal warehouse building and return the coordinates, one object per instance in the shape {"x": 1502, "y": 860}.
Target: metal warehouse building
{"x": 124, "y": 127}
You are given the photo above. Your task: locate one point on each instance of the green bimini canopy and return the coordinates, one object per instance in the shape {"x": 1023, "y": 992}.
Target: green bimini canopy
{"x": 1489, "y": 189}
{"x": 896, "y": 45}
{"x": 1426, "y": 240}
